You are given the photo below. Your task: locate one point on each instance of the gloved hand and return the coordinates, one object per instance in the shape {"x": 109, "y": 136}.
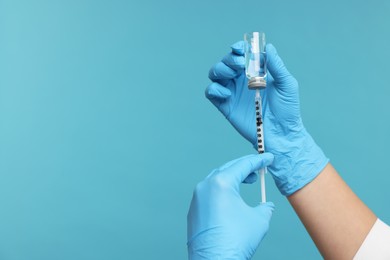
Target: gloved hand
{"x": 220, "y": 225}
{"x": 298, "y": 159}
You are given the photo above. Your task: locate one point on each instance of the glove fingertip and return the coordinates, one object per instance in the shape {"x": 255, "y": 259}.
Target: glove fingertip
{"x": 214, "y": 90}
{"x": 238, "y": 48}
{"x": 236, "y": 62}
{"x": 266, "y": 159}
{"x": 270, "y": 205}
{"x": 270, "y": 48}
{"x": 267, "y": 209}
{"x": 251, "y": 178}
{"x": 275, "y": 64}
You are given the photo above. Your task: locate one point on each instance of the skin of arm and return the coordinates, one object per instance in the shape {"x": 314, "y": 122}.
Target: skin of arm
{"x": 336, "y": 219}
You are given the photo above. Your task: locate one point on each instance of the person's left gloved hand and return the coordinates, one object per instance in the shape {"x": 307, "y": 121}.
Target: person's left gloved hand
{"x": 220, "y": 225}
{"x": 298, "y": 159}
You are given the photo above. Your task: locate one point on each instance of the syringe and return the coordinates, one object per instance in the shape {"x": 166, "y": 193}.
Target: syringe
{"x": 260, "y": 141}
{"x": 256, "y": 72}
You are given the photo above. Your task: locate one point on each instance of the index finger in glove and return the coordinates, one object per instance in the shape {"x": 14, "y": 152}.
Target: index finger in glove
{"x": 238, "y": 48}
{"x": 237, "y": 171}
{"x": 235, "y": 62}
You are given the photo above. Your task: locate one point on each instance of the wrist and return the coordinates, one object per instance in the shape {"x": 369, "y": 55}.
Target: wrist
{"x": 297, "y": 163}
{"x": 208, "y": 246}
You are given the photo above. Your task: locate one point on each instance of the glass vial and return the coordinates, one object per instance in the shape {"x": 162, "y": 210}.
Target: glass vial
{"x": 255, "y": 59}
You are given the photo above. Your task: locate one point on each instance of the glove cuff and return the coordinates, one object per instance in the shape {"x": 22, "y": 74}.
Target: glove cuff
{"x": 298, "y": 167}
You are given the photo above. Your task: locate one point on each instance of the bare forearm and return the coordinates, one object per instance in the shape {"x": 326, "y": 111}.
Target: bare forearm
{"x": 336, "y": 219}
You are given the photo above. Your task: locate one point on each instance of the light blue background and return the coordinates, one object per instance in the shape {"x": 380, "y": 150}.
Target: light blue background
{"x": 104, "y": 128}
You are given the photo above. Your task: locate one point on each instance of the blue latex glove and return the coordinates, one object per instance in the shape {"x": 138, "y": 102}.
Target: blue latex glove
{"x": 220, "y": 225}
{"x": 298, "y": 160}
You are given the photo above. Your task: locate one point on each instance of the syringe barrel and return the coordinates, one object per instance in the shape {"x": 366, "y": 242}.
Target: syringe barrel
{"x": 259, "y": 123}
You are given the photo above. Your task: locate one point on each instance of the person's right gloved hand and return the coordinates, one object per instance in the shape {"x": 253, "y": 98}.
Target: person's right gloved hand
{"x": 220, "y": 224}
{"x": 298, "y": 159}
